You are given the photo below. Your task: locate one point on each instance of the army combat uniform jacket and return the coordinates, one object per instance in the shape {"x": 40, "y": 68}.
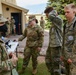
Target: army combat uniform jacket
{"x": 55, "y": 38}
{"x": 4, "y": 68}
{"x": 70, "y": 39}
{"x": 34, "y": 36}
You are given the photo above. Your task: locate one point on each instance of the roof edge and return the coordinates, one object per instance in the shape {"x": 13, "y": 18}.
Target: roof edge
{"x": 15, "y": 6}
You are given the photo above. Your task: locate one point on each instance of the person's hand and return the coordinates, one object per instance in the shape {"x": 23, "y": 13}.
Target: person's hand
{"x": 69, "y": 61}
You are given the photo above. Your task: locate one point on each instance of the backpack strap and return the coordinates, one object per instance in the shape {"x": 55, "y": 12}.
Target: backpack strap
{"x": 74, "y": 24}
{"x": 63, "y": 39}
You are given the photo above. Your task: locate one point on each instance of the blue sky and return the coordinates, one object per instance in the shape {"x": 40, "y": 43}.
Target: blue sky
{"x": 33, "y": 6}
{"x": 39, "y": 8}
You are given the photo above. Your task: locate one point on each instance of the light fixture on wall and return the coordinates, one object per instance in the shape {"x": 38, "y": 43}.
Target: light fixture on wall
{"x": 7, "y": 9}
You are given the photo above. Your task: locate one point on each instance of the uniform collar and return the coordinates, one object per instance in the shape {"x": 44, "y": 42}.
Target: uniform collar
{"x": 69, "y": 24}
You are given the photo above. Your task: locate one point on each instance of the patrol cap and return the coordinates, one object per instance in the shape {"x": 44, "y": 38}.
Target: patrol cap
{"x": 2, "y": 19}
{"x": 31, "y": 18}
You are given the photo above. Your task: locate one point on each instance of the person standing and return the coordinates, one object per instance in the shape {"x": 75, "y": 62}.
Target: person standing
{"x": 12, "y": 25}
{"x": 34, "y": 34}
{"x": 53, "y": 53}
{"x": 69, "y": 38}
{"x": 42, "y": 22}
{"x": 5, "y": 68}
{"x": 8, "y": 26}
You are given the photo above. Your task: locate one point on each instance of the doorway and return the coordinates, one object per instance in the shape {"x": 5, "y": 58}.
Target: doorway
{"x": 17, "y": 17}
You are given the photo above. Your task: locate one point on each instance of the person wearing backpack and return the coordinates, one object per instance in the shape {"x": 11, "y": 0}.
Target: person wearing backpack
{"x": 69, "y": 38}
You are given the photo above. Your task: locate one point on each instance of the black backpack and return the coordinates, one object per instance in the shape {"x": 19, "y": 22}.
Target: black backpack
{"x": 3, "y": 28}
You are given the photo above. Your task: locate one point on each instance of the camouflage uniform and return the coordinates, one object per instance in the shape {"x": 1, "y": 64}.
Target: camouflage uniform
{"x": 42, "y": 23}
{"x": 34, "y": 40}
{"x": 8, "y": 26}
{"x": 70, "y": 45}
{"x": 55, "y": 42}
{"x": 12, "y": 26}
{"x": 3, "y": 57}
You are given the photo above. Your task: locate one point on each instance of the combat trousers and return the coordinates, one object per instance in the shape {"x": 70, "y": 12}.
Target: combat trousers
{"x": 30, "y": 52}
{"x": 53, "y": 60}
{"x": 5, "y": 73}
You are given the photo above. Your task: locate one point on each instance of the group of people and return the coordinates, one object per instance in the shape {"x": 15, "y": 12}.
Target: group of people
{"x": 8, "y": 61}
{"x": 7, "y": 27}
{"x": 62, "y": 42}
{"x": 10, "y": 23}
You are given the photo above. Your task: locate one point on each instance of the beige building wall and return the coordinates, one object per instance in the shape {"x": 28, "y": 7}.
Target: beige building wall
{"x": 10, "y": 1}
{"x": 11, "y": 10}
{"x": 0, "y": 7}
{"x": 23, "y": 21}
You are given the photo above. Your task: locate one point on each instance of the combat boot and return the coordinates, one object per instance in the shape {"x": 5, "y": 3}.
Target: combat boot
{"x": 34, "y": 71}
{"x": 22, "y": 70}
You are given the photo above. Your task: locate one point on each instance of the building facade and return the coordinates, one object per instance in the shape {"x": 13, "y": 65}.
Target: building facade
{"x": 9, "y": 8}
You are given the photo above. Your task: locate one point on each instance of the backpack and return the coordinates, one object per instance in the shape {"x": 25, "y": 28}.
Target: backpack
{"x": 3, "y": 28}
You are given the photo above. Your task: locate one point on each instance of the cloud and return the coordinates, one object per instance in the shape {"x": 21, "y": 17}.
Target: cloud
{"x": 30, "y": 2}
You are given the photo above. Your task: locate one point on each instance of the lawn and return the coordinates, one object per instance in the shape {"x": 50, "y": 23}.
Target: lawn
{"x": 42, "y": 69}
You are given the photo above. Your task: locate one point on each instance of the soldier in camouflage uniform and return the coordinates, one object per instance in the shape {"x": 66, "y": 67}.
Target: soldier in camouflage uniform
{"x": 12, "y": 24}
{"x": 42, "y": 23}
{"x": 3, "y": 53}
{"x": 8, "y": 26}
{"x": 34, "y": 34}
{"x": 6, "y": 65}
{"x": 3, "y": 57}
{"x": 69, "y": 38}
{"x": 55, "y": 42}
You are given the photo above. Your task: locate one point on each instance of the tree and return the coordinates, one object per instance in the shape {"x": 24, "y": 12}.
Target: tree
{"x": 59, "y": 5}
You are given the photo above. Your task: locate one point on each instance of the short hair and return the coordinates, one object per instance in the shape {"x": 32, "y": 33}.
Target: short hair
{"x": 72, "y": 5}
{"x": 48, "y": 9}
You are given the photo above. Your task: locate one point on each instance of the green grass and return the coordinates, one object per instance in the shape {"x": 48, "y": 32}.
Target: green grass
{"x": 42, "y": 69}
